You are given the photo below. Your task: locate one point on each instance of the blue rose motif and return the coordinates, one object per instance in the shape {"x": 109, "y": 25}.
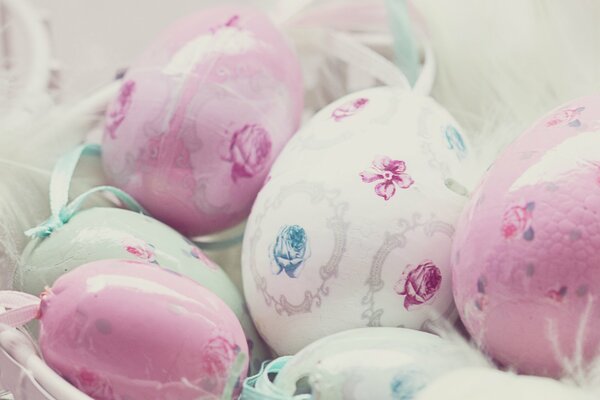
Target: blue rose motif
{"x": 405, "y": 386}
{"x": 290, "y": 250}
{"x": 455, "y": 141}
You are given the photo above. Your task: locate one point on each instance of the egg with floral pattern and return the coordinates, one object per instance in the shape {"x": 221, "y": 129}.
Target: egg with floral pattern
{"x": 112, "y": 233}
{"x": 123, "y": 329}
{"x": 201, "y": 116}
{"x": 353, "y": 227}
{"x": 525, "y": 251}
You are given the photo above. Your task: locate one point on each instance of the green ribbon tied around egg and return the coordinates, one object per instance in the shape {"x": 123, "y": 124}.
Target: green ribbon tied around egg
{"x": 60, "y": 182}
{"x": 62, "y": 210}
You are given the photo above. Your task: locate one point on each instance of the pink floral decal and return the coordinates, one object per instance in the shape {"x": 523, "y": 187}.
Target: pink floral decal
{"x": 349, "y": 109}
{"x": 93, "y": 385}
{"x": 419, "y": 284}
{"x": 390, "y": 173}
{"x": 217, "y": 357}
{"x": 231, "y": 22}
{"x": 568, "y": 116}
{"x": 198, "y": 254}
{"x": 142, "y": 250}
{"x": 248, "y": 151}
{"x": 557, "y": 295}
{"x": 117, "y": 112}
{"x": 517, "y": 221}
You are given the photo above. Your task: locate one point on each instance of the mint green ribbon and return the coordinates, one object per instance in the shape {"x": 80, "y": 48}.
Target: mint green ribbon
{"x": 60, "y": 182}
{"x": 261, "y": 387}
{"x": 405, "y": 43}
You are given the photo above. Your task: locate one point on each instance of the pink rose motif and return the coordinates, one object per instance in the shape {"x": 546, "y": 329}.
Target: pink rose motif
{"x": 390, "y": 173}
{"x": 517, "y": 221}
{"x": 141, "y": 250}
{"x": 93, "y": 385}
{"x": 567, "y": 116}
{"x": 348, "y": 109}
{"x": 419, "y": 284}
{"x": 249, "y": 151}
{"x": 198, "y": 254}
{"x": 117, "y": 112}
{"x": 218, "y": 356}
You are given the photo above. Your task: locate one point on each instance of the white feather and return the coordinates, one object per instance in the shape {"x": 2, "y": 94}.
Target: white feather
{"x": 503, "y": 64}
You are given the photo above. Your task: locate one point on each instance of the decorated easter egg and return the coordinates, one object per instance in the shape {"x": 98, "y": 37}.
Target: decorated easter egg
{"x": 525, "y": 251}
{"x": 363, "y": 364}
{"x": 201, "y": 116}
{"x": 121, "y": 329}
{"x": 490, "y": 384}
{"x": 106, "y": 233}
{"x": 354, "y": 226}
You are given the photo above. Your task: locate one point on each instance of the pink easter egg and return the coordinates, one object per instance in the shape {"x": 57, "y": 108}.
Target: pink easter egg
{"x": 201, "y": 116}
{"x": 525, "y": 254}
{"x": 119, "y": 329}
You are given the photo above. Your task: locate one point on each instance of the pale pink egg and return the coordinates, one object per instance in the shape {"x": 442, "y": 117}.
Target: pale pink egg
{"x": 121, "y": 329}
{"x": 526, "y": 251}
{"x": 201, "y": 116}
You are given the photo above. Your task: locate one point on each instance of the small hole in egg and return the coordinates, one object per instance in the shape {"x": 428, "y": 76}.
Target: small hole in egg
{"x": 456, "y": 187}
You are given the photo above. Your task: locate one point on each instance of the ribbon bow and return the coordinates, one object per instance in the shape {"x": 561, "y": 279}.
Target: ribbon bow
{"x": 61, "y": 210}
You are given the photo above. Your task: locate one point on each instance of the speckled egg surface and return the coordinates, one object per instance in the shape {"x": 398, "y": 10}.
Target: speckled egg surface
{"x": 121, "y": 329}
{"x": 112, "y": 233}
{"x": 354, "y": 226}
{"x": 201, "y": 116}
{"x": 525, "y": 254}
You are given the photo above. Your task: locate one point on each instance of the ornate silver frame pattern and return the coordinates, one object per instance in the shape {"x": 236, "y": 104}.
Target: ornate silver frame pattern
{"x": 328, "y": 270}
{"x": 391, "y": 242}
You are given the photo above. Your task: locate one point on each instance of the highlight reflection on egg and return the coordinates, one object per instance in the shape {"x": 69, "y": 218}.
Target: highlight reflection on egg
{"x": 110, "y": 327}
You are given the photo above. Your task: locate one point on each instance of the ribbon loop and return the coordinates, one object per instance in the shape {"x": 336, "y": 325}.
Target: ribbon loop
{"x": 60, "y": 182}
{"x": 261, "y": 387}
{"x": 22, "y": 307}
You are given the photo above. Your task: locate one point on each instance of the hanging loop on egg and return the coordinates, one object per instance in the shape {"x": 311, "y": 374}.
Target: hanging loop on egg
{"x": 22, "y": 308}
{"x": 261, "y": 387}
{"x": 60, "y": 182}
{"x": 347, "y": 38}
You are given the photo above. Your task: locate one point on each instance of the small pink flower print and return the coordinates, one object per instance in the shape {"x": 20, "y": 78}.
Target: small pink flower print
{"x": 231, "y": 22}
{"x": 569, "y": 116}
{"x": 198, "y": 254}
{"x": 557, "y": 295}
{"x": 141, "y": 249}
{"x": 218, "y": 357}
{"x": 481, "y": 301}
{"x": 249, "y": 151}
{"x": 517, "y": 221}
{"x": 348, "y": 109}
{"x": 390, "y": 173}
{"x": 419, "y": 284}
{"x": 118, "y": 110}
{"x": 93, "y": 385}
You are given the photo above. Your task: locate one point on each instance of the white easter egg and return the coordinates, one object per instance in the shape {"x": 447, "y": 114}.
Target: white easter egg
{"x": 354, "y": 226}
{"x": 364, "y": 364}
